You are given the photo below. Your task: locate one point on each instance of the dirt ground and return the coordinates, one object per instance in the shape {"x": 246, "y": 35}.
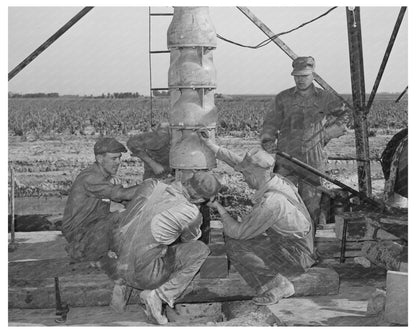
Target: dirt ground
{"x": 47, "y": 168}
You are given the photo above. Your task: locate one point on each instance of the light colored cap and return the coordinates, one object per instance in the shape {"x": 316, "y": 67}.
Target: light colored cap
{"x": 257, "y": 158}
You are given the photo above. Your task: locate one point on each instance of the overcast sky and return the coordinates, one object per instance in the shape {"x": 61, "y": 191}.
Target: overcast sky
{"x": 107, "y": 50}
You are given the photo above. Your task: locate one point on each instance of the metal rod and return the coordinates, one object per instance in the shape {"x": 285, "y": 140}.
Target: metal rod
{"x": 49, "y": 42}
{"x": 401, "y": 95}
{"x": 152, "y": 89}
{"x": 343, "y": 241}
{"x": 161, "y": 14}
{"x": 155, "y": 52}
{"x": 386, "y": 57}
{"x": 338, "y": 158}
{"x": 12, "y": 204}
{"x": 362, "y": 196}
{"x": 150, "y": 68}
{"x": 358, "y": 96}
{"x": 286, "y": 49}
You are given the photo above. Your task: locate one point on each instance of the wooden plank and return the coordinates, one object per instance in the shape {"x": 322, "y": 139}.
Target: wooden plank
{"x": 397, "y": 298}
{"x": 216, "y": 265}
{"x": 31, "y": 285}
{"x": 37, "y": 260}
{"x": 41, "y": 205}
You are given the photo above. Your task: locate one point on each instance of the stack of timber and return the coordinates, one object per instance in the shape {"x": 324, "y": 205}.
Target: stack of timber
{"x": 40, "y": 257}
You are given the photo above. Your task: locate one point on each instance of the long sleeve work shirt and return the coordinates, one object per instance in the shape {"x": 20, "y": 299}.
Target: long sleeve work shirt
{"x": 277, "y": 204}
{"x": 89, "y": 200}
{"x": 299, "y": 122}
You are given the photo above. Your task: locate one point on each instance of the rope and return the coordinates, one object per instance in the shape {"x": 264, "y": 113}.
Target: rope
{"x": 270, "y": 39}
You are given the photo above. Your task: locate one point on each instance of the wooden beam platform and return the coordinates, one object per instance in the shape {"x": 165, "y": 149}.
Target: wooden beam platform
{"x": 40, "y": 257}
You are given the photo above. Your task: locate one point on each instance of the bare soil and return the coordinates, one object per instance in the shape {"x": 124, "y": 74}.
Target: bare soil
{"x": 47, "y": 168}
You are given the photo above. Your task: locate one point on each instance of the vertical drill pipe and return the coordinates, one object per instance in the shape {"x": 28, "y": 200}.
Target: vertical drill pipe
{"x": 12, "y": 205}
{"x": 386, "y": 57}
{"x": 358, "y": 96}
{"x": 286, "y": 49}
{"x": 49, "y": 42}
{"x": 150, "y": 69}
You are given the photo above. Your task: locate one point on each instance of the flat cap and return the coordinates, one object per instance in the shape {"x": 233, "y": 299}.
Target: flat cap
{"x": 205, "y": 183}
{"x": 303, "y": 66}
{"x": 256, "y": 158}
{"x": 108, "y": 145}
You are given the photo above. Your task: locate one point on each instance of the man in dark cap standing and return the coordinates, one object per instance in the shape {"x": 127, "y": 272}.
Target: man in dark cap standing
{"x": 87, "y": 222}
{"x": 303, "y": 120}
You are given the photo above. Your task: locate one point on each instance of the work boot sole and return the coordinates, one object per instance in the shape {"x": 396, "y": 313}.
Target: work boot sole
{"x": 151, "y": 311}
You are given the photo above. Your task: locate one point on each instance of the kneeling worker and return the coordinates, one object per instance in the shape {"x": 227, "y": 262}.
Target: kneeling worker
{"x": 272, "y": 244}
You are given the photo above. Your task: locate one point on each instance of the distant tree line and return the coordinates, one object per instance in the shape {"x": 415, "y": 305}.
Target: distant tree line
{"x": 56, "y": 95}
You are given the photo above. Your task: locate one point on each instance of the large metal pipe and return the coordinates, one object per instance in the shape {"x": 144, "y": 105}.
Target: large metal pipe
{"x": 358, "y": 96}
{"x": 192, "y": 79}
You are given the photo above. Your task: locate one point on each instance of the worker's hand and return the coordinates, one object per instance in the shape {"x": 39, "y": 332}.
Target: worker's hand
{"x": 269, "y": 145}
{"x": 158, "y": 168}
{"x": 203, "y": 134}
{"x": 115, "y": 180}
{"x": 213, "y": 203}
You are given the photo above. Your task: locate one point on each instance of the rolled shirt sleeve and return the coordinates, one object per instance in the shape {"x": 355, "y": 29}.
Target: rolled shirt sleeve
{"x": 101, "y": 188}
{"x": 227, "y": 156}
{"x": 273, "y": 211}
{"x": 183, "y": 220}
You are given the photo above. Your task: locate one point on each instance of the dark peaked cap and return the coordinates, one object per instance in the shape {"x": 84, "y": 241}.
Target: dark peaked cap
{"x": 108, "y": 145}
{"x": 205, "y": 183}
{"x": 303, "y": 66}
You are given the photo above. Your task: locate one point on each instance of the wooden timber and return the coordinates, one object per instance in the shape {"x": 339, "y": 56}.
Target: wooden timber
{"x": 35, "y": 264}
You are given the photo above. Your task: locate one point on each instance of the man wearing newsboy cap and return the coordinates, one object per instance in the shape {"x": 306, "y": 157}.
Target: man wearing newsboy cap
{"x": 273, "y": 243}
{"x": 304, "y": 118}
{"x": 87, "y": 221}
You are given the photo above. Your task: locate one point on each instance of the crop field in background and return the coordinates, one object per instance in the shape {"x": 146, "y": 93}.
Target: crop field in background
{"x": 51, "y": 140}
{"x": 46, "y": 117}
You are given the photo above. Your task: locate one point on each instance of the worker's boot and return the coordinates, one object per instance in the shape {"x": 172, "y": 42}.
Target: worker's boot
{"x": 284, "y": 289}
{"x": 153, "y": 306}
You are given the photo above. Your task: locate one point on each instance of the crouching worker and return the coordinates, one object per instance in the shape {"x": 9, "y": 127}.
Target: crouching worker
{"x": 87, "y": 222}
{"x": 273, "y": 243}
{"x": 156, "y": 241}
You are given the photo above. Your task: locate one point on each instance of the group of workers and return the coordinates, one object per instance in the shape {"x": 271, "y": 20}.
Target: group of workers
{"x": 153, "y": 244}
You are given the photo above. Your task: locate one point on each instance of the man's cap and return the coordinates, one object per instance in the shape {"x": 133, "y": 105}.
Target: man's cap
{"x": 108, "y": 145}
{"x": 255, "y": 158}
{"x": 303, "y": 66}
{"x": 205, "y": 183}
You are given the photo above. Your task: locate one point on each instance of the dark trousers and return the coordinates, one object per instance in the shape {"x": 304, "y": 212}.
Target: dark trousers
{"x": 172, "y": 272}
{"x": 260, "y": 259}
